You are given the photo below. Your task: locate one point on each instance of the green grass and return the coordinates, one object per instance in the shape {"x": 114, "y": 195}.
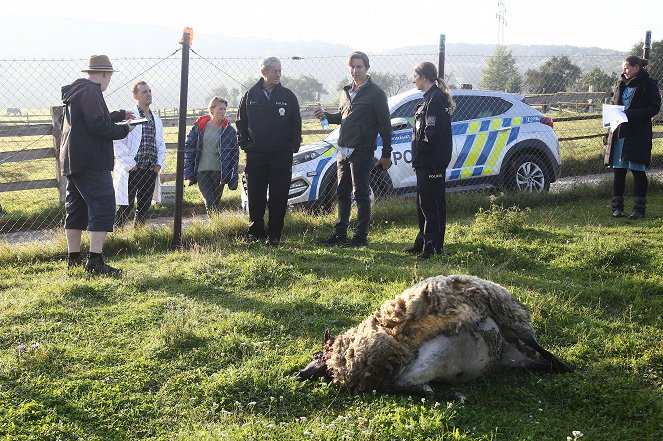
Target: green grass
{"x": 199, "y": 344}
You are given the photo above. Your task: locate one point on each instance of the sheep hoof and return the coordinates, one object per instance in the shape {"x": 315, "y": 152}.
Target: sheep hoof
{"x": 453, "y": 396}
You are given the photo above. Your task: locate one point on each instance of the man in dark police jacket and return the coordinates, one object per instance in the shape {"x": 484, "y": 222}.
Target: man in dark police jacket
{"x": 269, "y": 130}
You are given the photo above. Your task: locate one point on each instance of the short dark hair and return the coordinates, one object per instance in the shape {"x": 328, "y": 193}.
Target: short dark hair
{"x": 361, "y": 56}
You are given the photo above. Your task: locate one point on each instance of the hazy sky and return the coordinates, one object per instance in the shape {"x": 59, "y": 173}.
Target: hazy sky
{"x": 377, "y": 24}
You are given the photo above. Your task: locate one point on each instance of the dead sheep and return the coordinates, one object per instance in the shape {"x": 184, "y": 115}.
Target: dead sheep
{"x": 448, "y": 329}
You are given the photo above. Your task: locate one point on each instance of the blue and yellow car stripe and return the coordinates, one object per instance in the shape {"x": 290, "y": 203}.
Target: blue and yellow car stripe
{"x": 484, "y": 144}
{"x": 483, "y": 147}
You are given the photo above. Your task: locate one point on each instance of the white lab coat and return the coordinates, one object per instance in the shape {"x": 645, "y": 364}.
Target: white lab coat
{"x": 125, "y": 152}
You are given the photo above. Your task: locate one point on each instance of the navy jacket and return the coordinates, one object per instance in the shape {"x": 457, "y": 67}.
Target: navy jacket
{"x": 432, "y": 141}
{"x": 89, "y": 129}
{"x": 269, "y": 125}
{"x": 228, "y": 152}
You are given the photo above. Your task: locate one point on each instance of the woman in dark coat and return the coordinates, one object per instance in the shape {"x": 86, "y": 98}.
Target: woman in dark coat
{"x": 631, "y": 143}
{"x": 431, "y": 153}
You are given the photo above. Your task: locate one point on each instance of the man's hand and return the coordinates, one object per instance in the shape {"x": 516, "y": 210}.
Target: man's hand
{"x": 129, "y": 114}
{"x": 157, "y": 168}
{"x": 385, "y": 163}
{"x": 318, "y": 111}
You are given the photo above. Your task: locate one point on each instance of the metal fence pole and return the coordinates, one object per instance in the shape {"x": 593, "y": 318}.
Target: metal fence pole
{"x": 181, "y": 136}
{"x": 440, "y": 57}
{"x": 646, "y": 48}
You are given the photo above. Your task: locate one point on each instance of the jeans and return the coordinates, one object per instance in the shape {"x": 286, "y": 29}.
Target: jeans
{"x": 209, "y": 183}
{"x": 354, "y": 176}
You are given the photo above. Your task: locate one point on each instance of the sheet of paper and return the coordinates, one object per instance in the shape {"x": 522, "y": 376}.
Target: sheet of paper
{"x": 613, "y": 116}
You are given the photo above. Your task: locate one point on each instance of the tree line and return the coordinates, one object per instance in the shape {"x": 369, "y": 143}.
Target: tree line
{"x": 558, "y": 74}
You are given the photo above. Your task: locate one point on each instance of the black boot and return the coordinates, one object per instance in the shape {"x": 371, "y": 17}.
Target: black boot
{"x": 417, "y": 248}
{"x": 96, "y": 265}
{"x": 639, "y": 205}
{"x": 427, "y": 252}
{"x": 618, "y": 206}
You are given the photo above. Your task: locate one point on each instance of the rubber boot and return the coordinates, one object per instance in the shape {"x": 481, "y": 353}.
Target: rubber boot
{"x": 639, "y": 206}
{"x": 618, "y": 206}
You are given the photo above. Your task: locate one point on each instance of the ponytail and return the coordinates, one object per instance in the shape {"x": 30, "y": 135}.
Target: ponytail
{"x": 442, "y": 85}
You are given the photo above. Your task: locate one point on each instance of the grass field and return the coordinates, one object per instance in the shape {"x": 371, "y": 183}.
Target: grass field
{"x": 199, "y": 344}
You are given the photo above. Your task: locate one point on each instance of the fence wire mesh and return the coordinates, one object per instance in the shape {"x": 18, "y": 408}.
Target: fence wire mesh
{"x": 546, "y": 128}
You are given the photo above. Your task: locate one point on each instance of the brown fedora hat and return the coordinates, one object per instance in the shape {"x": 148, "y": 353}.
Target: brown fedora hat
{"x": 99, "y": 63}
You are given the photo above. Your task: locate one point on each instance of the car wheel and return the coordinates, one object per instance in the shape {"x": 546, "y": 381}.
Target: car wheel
{"x": 528, "y": 173}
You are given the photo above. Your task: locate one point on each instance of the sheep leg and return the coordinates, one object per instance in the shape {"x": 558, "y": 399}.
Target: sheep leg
{"x": 554, "y": 364}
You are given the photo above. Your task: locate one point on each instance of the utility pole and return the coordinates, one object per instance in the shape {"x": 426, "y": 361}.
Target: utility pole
{"x": 501, "y": 21}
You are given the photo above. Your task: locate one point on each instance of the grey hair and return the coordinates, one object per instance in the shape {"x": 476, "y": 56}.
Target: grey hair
{"x": 269, "y": 61}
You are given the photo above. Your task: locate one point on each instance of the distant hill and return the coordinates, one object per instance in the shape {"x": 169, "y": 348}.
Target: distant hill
{"x": 45, "y": 54}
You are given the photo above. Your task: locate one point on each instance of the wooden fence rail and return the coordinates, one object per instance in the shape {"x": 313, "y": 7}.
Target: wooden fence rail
{"x": 43, "y": 128}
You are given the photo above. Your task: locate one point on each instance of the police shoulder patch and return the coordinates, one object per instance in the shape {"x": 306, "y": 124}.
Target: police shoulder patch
{"x": 430, "y": 120}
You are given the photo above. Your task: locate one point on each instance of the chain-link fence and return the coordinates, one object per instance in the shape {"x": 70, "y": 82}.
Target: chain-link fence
{"x": 550, "y": 129}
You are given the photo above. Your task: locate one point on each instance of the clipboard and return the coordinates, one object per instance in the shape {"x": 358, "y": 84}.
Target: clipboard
{"x": 132, "y": 122}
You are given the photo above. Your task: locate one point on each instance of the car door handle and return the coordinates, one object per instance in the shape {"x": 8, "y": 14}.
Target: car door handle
{"x": 501, "y": 129}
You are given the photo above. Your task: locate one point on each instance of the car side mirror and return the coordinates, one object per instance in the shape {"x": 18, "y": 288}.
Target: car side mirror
{"x": 399, "y": 123}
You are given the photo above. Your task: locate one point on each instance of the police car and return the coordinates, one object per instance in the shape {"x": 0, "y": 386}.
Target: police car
{"x": 498, "y": 141}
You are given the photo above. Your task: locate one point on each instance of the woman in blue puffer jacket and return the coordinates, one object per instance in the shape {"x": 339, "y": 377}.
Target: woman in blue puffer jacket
{"x": 212, "y": 155}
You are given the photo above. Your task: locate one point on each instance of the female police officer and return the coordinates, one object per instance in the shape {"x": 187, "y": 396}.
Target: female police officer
{"x": 431, "y": 153}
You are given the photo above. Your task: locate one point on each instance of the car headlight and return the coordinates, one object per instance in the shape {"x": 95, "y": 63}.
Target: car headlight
{"x": 309, "y": 155}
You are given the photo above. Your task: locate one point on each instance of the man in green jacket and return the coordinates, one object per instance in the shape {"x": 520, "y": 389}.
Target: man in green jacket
{"x": 363, "y": 113}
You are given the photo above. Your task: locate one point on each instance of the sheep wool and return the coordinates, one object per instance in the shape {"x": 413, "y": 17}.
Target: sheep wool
{"x": 372, "y": 353}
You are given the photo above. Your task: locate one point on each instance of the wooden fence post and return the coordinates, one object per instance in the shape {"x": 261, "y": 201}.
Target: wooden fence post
{"x": 57, "y": 117}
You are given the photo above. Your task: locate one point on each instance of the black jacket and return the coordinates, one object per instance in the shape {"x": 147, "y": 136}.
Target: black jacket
{"x": 432, "y": 141}
{"x": 637, "y": 132}
{"x": 272, "y": 125}
{"x": 89, "y": 129}
{"x": 363, "y": 118}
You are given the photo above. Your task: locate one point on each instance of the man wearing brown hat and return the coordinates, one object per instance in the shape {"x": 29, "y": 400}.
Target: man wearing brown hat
{"x": 86, "y": 157}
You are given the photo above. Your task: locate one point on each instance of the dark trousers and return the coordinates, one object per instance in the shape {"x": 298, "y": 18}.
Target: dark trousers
{"x": 141, "y": 189}
{"x": 265, "y": 171}
{"x": 90, "y": 201}
{"x": 431, "y": 207}
{"x": 640, "y": 183}
{"x": 209, "y": 183}
{"x": 354, "y": 177}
